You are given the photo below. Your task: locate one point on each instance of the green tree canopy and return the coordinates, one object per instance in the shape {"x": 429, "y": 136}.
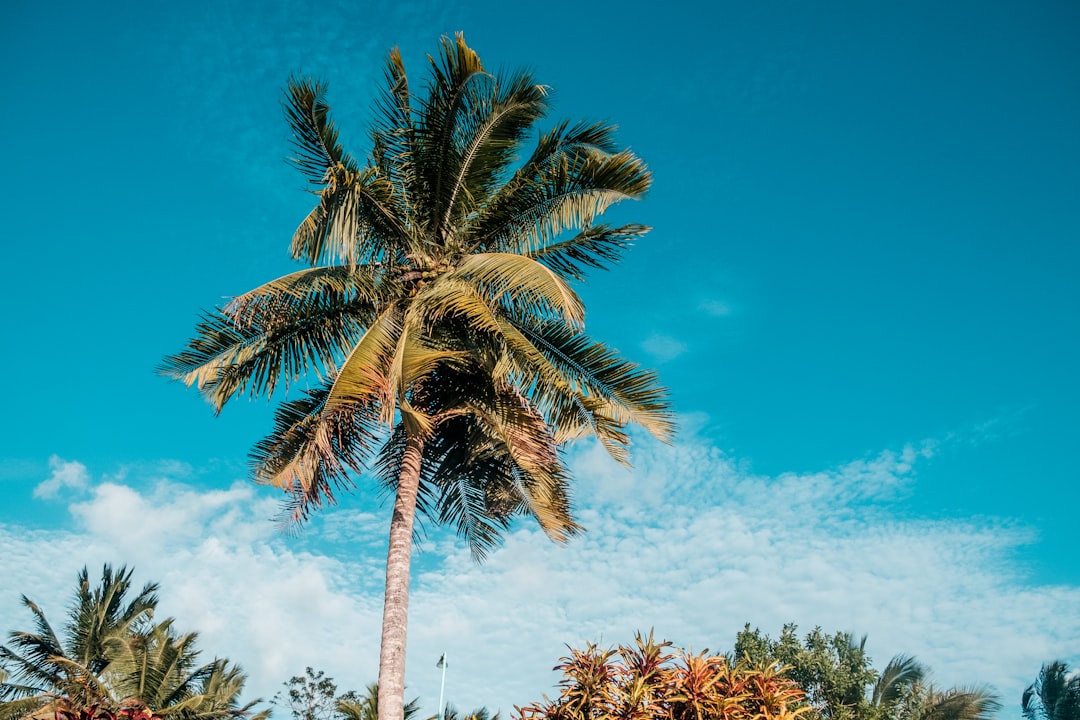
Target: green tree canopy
{"x": 841, "y": 683}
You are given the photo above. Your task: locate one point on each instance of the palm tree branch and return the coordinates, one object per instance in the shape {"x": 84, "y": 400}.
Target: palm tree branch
{"x": 631, "y": 390}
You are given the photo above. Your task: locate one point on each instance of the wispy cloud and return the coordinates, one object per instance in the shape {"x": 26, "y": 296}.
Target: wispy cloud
{"x": 663, "y": 348}
{"x": 71, "y": 475}
{"x": 690, "y": 542}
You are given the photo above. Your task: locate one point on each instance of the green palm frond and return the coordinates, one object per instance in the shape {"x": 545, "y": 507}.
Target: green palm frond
{"x": 303, "y": 322}
{"x": 451, "y": 94}
{"x": 101, "y": 614}
{"x": 356, "y": 221}
{"x": 28, "y": 657}
{"x": 315, "y": 137}
{"x": 566, "y": 184}
{"x": 312, "y": 449}
{"x": 595, "y": 247}
{"x": 393, "y": 132}
{"x": 633, "y": 392}
{"x": 897, "y": 677}
{"x": 970, "y": 703}
{"x": 487, "y": 137}
{"x": 522, "y": 284}
{"x": 1055, "y": 694}
{"x": 357, "y": 213}
{"x": 24, "y": 707}
{"x": 458, "y": 487}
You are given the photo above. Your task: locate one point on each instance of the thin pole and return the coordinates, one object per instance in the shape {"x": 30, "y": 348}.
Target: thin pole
{"x": 442, "y": 685}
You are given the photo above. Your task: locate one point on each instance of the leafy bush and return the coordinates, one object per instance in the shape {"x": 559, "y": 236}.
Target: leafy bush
{"x": 652, "y": 680}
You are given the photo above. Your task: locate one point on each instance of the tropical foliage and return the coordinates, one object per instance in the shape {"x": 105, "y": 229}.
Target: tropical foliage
{"x": 1055, "y": 694}
{"x": 841, "y": 683}
{"x": 111, "y": 661}
{"x": 314, "y": 696}
{"x": 366, "y": 706}
{"x": 651, "y": 680}
{"x": 311, "y": 696}
{"x": 451, "y": 713}
{"x": 438, "y": 320}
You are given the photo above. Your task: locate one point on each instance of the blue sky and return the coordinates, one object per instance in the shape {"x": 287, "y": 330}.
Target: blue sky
{"x": 861, "y": 289}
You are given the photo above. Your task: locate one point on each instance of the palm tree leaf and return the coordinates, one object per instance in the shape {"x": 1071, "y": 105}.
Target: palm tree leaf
{"x": 302, "y": 322}
{"x": 358, "y": 214}
{"x": 522, "y": 283}
{"x": 315, "y": 137}
{"x": 901, "y": 672}
{"x": 632, "y": 391}
{"x": 452, "y": 73}
{"x": 487, "y": 136}
{"x": 311, "y": 450}
{"x": 568, "y": 182}
{"x": 392, "y": 131}
{"x": 971, "y": 703}
{"x": 366, "y": 375}
{"x": 595, "y": 247}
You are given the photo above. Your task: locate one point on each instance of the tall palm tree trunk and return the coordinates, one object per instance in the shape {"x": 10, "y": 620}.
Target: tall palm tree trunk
{"x": 396, "y": 600}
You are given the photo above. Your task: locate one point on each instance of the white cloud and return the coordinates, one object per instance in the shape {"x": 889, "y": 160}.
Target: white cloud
{"x": 690, "y": 542}
{"x": 663, "y": 347}
{"x": 64, "y": 475}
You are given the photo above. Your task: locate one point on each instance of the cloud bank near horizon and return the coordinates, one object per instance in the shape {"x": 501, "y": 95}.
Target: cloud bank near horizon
{"x": 691, "y": 542}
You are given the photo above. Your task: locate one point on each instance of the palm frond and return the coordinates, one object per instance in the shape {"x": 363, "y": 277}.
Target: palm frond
{"x": 392, "y": 134}
{"x": 453, "y": 74}
{"x": 487, "y": 136}
{"x": 971, "y": 703}
{"x": 312, "y": 449}
{"x": 901, "y": 672}
{"x": 596, "y": 247}
{"x": 315, "y": 137}
{"x": 367, "y": 373}
{"x": 567, "y": 183}
{"x": 303, "y": 322}
{"x": 633, "y": 392}
{"x": 519, "y": 282}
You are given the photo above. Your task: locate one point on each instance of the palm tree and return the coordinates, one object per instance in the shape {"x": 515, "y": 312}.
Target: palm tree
{"x": 901, "y": 693}
{"x": 438, "y": 316}
{"x": 482, "y": 713}
{"x": 47, "y": 668}
{"x": 110, "y": 656}
{"x": 366, "y": 707}
{"x": 159, "y": 670}
{"x": 894, "y": 685}
{"x": 1055, "y": 695}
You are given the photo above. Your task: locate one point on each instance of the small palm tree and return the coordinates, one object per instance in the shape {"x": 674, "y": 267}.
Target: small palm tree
{"x": 366, "y": 707}
{"x": 451, "y": 713}
{"x": 110, "y": 657}
{"x": 48, "y": 669}
{"x": 901, "y": 693}
{"x": 1055, "y": 694}
{"x": 159, "y": 670}
{"x": 438, "y": 316}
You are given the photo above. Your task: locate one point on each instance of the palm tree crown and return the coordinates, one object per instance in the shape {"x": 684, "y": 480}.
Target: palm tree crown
{"x": 111, "y": 656}
{"x": 1055, "y": 694}
{"x": 439, "y": 316}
